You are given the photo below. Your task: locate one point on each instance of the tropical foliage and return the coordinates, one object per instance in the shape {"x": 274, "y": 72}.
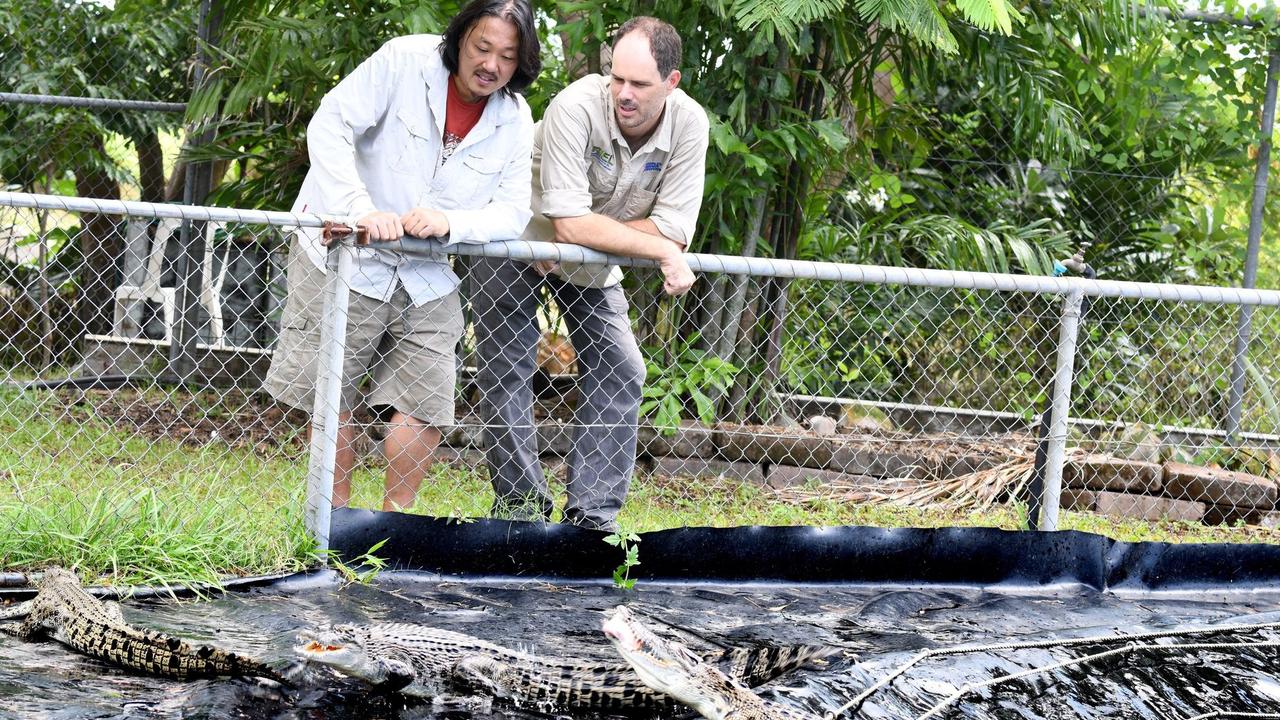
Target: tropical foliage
{"x": 975, "y": 135}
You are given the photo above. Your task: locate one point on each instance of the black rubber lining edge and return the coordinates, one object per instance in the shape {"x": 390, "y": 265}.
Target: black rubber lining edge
{"x": 803, "y": 555}
{"x": 16, "y": 588}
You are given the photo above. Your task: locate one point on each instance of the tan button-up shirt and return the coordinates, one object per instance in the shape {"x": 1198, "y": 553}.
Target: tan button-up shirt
{"x": 582, "y": 164}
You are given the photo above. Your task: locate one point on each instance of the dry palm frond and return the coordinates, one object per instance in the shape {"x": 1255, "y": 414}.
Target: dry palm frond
{"x": 977, "y": 490}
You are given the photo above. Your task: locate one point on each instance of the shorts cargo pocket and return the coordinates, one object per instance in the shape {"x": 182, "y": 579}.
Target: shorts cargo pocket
{"x": 294, "y": 360}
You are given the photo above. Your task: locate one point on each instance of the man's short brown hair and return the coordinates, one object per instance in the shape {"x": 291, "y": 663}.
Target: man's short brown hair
{"x": 664, "y": 41}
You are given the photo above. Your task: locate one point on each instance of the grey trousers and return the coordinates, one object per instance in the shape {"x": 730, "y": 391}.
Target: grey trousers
{"x": 505, "y": 297}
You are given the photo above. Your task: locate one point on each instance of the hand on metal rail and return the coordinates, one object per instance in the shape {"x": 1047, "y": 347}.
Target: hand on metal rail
{"x": 677, "y": 276}
{"x": 425, "y": 223}
{"x": 382, "y": 225}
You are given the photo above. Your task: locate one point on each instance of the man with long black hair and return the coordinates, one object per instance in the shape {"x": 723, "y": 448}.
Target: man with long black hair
{"x": 427, "y": 137}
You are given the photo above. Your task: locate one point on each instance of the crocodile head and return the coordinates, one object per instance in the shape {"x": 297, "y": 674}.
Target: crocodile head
{"x": 56, "y": 576}
{"x": 345, "y": 649}
{"x": 667, "y": 666}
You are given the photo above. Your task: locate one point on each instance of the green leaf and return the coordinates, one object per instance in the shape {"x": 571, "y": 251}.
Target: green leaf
{"x": 990, "y": 14}
{"x": 831, "y": 133}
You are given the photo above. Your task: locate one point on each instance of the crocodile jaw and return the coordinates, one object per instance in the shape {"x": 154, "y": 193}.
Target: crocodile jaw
{"x": 664, "y": 665}
{"x": 340, "y": 652}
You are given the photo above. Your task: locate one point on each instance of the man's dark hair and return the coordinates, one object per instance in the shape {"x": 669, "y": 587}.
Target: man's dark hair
{"x": 664, "y": 41}
{"x": 518, "y": 12}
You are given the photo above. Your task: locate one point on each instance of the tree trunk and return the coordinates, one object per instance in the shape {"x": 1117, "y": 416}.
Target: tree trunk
{"x": 151, "y": 167}
{"x": 727, "y": 339}
{"x": 784, "y": 231}
{"x": 101, "y": 242}
{"x": 177, "y": 180}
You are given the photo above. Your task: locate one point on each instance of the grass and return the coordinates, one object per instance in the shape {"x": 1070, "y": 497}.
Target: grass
{"x": 144, "y": 511}
{"x": 79, "y": 488}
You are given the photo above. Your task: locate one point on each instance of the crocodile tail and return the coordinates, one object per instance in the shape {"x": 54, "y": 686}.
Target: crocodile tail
{"x": 249, "y": 667}
{"x": 758, "y": 665}
{"x": 212, "y": 661}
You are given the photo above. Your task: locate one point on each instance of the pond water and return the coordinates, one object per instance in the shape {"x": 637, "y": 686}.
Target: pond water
{"x": 878, "y": 628}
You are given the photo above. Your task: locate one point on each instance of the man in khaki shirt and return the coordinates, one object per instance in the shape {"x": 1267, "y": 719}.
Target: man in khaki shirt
{"x": 618, "y": 166}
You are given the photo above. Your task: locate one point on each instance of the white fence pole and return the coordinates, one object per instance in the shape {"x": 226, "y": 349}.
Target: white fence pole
{"x": 1056, "y": 457}
{"x": 324, "y": 414}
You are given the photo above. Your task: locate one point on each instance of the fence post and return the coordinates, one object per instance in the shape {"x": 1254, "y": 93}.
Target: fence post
{"x": 1244, "y": 326}
{"x": 197, "y": 186}
{"x": 324, "y": 412}
{"x": 1068, "y": 332}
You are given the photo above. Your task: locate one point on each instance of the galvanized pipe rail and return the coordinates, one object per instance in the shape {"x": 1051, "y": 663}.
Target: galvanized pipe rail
{"x": 732, "y": 265}
{"x": 91, "y": 102}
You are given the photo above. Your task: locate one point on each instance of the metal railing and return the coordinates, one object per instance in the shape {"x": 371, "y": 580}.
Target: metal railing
{"x": 874, "y": 349}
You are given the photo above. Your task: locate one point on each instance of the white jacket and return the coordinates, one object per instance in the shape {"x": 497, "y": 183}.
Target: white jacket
{"x": 375, "y": 143}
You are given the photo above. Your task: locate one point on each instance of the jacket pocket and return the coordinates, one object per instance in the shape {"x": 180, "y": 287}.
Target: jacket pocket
{"x": 478, "y": 182}
{"x": 601, "y": 182}
{"x": 411, "y": 152}
{"x": 639, "y": 205}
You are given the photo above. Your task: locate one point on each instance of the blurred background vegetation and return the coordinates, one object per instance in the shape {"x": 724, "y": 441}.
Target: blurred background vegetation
{"x": 977, "y": 135}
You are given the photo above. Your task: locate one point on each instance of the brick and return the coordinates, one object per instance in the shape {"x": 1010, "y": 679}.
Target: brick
{"x": 1078, "y": 500}
{"x": 1147, "y": 507}
{"x": 1105, "y": 472}
{"x": 554, "y": 438}
{"x": 861, "y": 460}
{"x": 1219, "y": 487}
{"x": 688, "y": 440}
{"x": 958, "y": 465}
{"x": 704, "y": 468}
{"x": 1231, "y": 515}
{"x": 736, "y": 445}
{"x": 780, "y": 476}
{"x": 761, "y": 445}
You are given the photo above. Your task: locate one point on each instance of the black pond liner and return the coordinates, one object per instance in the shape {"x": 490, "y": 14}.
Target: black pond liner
{"x": 883, "y": 596}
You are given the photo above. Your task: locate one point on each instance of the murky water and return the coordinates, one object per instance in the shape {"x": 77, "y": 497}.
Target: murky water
{"x": 880, "y": 629}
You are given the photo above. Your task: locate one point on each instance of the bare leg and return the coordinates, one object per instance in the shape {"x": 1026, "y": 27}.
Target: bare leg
{"x": 344, "y": 461}
{"x": 409, "y": 446}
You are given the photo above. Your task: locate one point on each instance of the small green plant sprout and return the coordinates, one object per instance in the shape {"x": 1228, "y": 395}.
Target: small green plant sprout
{"x": 363, "y": 569}
{"x": 630, "y": 544}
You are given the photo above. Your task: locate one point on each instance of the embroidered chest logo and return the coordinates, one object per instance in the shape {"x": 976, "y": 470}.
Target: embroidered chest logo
{"x": 652, "y": 167}
{"x": 604, "y": 159}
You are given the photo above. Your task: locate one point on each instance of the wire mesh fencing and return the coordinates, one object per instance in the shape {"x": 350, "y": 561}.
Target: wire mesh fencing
{"x": 135, "y": 411}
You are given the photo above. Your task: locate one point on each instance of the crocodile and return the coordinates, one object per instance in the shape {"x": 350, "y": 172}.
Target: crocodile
{"x": 63, "y": 611}
{"x": 428, "y": 662}
{"x": 672, "y": 669}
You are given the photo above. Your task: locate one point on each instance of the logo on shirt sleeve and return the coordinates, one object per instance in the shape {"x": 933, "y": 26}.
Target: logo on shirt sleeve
{"x": 652, "y": 167}
{"x": 604, "y": 159}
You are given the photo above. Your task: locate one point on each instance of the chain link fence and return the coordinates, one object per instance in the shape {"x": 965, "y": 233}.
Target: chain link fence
{"x": 136, "y": 337}
{"x": 902, "y": 397}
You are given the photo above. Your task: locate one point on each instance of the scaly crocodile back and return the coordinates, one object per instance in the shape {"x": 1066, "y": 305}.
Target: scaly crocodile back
{"x": 756, "y": 666}
{"x": 439, "y": 658}
{"x": 63, "y": 611}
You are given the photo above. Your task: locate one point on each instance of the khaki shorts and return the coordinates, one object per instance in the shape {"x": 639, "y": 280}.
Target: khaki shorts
{"x": 397, "y": 354}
